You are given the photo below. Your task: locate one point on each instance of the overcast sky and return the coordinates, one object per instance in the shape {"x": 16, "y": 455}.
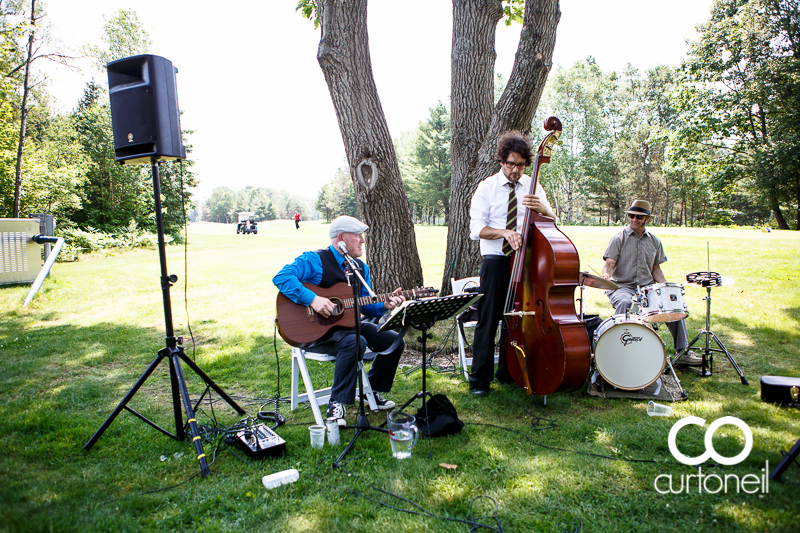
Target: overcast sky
{"x": 250, "y": 86}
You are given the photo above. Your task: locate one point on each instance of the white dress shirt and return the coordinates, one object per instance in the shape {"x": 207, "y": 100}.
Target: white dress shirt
{"x": 490, "y": 208}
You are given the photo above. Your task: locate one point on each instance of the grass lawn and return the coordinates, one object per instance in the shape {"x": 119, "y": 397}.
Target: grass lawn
{"x": 578, "y": 463}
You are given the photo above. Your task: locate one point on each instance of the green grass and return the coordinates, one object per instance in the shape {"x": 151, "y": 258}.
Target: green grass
{"x": 68, "y": 359}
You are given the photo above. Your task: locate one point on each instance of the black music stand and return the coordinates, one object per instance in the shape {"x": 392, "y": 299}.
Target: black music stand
{"x": 175, "y": 354}
{"x": 422, "y": 315}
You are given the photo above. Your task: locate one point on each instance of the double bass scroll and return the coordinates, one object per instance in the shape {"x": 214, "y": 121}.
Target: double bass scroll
{"x": 546, "y": 345}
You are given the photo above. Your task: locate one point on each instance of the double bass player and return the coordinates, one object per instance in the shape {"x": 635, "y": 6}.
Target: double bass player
{"x": 497, "y": 210}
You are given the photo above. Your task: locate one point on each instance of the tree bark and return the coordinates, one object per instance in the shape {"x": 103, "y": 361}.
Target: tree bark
{"x": 344, "y": 58}
{"x": 23, "y": 114}
{"x": 775, "y": 205}
{"x": 475, "y": 122}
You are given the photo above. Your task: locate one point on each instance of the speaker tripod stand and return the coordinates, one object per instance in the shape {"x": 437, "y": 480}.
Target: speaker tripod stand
{"x": 173, "y": 352}
{"x": 709, "y": 280}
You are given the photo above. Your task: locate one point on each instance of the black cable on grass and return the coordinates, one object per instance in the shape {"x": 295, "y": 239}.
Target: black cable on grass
{"x": 420, "y": 511}
{"x": 186, "y": 262}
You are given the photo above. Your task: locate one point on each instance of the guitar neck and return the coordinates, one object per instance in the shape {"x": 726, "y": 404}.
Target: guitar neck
{"x": 366, "y": 300}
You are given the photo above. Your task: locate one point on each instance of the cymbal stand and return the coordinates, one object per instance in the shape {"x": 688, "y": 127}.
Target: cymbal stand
{"x": 706, "y": 369}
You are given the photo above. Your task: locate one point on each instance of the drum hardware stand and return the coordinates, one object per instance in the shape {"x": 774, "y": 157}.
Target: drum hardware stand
{"x": 788, "y": 458}
{"x": 362, "y": 424}
{"x": 175, "y": 354}
{"x": 709, "y": 280}
{"x": 422, "y": 315}
{"x": 684, "y": 394}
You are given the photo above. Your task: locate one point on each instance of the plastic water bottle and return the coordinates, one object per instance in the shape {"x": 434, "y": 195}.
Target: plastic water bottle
{"x": 280, "y": 478}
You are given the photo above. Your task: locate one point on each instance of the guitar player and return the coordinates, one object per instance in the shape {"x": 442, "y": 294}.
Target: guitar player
{"x": 325, "y": 268}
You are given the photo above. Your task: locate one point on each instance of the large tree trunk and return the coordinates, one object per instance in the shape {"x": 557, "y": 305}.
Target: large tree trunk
{"x": 475, "y": 122}
{"x": 23, "y": 115}
{"x": 344, "y": 58}
{"x": 775, "y": 205}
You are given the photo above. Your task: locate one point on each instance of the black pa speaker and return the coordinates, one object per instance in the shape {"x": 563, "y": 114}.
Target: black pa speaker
{"x": 144, "y": 109}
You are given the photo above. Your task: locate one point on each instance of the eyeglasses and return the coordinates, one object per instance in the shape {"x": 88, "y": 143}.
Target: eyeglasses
{"x": 638, "y": 217}
{"x": 519, "y": 166}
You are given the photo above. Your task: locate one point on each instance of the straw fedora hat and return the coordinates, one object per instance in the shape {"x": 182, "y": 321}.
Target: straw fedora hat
{"x": 639, "y": 207}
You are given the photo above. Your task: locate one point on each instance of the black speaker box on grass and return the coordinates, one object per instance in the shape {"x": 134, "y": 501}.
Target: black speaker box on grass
{"x": 144, "y": 109}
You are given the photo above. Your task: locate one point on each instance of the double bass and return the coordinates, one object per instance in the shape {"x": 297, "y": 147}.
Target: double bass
{"x": 546, "y": 346}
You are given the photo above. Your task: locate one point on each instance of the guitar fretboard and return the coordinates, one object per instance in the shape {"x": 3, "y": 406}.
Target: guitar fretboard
{"x": 347, "y": 303}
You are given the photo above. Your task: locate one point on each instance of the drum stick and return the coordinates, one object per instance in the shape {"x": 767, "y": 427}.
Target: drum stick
{"x": 593, "y": 270}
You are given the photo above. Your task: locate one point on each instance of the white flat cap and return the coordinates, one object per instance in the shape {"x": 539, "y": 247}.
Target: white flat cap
{"x": 345, "y": 224}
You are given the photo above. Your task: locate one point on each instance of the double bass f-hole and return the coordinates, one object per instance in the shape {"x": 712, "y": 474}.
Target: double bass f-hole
{"x": 548, "y": 328}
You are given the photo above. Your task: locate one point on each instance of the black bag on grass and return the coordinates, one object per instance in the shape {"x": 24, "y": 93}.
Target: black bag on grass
{"x": 442, "y": 418}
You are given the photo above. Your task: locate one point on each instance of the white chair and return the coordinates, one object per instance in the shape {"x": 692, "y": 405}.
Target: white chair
{"x": 458, "y": 286}
{"x": 320, "y": 396}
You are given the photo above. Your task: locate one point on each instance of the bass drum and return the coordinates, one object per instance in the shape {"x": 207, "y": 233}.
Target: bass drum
{"x": 628, "y": 353}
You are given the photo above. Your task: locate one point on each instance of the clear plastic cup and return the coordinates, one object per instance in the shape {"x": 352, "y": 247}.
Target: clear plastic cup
{"x": 657, "y": 409}
{"x": 317, "y": 436}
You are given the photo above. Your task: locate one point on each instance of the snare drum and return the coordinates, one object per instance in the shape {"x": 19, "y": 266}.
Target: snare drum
{"x": 662, "y": 302}
{"x": 628, "y": 353}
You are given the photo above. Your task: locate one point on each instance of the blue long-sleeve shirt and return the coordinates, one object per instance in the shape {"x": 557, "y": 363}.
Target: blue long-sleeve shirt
{"x": 307, "y": 268}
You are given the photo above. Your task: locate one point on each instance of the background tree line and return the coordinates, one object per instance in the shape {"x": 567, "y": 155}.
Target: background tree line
{"x": 63, "y": 163}
{"x": 266, "y": 203}
{"x": 711, "y": 142}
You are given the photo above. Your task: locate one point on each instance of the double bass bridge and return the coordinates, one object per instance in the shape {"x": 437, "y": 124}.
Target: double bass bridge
{"x": 520, "y": 313}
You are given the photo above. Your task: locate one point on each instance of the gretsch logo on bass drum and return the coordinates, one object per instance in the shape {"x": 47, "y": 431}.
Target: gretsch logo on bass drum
{"x": 628, "y": 338}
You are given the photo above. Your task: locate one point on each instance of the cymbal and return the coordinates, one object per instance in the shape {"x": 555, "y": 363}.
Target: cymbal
{"x": 596, "y": 282}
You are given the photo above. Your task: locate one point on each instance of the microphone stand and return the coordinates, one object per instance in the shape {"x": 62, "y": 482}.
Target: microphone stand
{"x": 355, "y": 280}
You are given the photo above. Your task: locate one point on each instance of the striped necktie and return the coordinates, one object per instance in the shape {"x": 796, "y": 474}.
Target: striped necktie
{"x": 511, "y": 217}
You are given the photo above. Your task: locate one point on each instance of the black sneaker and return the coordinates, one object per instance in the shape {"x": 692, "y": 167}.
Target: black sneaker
{"x": 337, "y": 412}
{"x": 382, "y": 403}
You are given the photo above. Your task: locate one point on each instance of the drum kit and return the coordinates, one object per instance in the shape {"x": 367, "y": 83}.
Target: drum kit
{"x": 627, "y": 351}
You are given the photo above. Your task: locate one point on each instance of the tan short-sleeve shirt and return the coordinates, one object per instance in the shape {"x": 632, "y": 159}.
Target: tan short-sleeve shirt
{"x": 635, "y": 257}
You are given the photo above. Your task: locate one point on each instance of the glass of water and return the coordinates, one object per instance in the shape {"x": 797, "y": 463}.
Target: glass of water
{"x": 402, "y": 433}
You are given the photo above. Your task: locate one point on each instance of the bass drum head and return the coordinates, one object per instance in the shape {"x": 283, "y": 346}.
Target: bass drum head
{"x": 628, "y": 353}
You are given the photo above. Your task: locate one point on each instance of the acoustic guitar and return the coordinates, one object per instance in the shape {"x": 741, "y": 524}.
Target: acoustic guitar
{"x": 300, "y": 325}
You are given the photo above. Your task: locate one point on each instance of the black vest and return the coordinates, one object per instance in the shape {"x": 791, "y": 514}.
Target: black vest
{"x": 332, "y": 272}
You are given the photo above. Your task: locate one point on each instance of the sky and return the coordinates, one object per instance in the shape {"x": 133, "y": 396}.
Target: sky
{"x": 252, "y": 91}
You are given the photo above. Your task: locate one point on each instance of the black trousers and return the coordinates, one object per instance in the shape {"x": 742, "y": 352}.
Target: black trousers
{"x": 495, "y": 277}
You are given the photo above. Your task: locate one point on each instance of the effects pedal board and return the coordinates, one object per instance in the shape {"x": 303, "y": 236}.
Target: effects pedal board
{"x": 260, "y": 441}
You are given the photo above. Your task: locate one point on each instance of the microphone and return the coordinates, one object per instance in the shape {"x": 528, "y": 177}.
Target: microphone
{"x": 342, "y": 248}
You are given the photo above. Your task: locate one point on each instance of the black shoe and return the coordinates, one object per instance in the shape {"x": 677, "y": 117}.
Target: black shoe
{"x": 479, "y": 392}
{"x": 504, "y": 378}
{"x": 382, "y": 403}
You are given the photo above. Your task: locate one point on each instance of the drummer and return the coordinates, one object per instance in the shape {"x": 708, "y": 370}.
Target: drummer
{"x": 633, "y": 259}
